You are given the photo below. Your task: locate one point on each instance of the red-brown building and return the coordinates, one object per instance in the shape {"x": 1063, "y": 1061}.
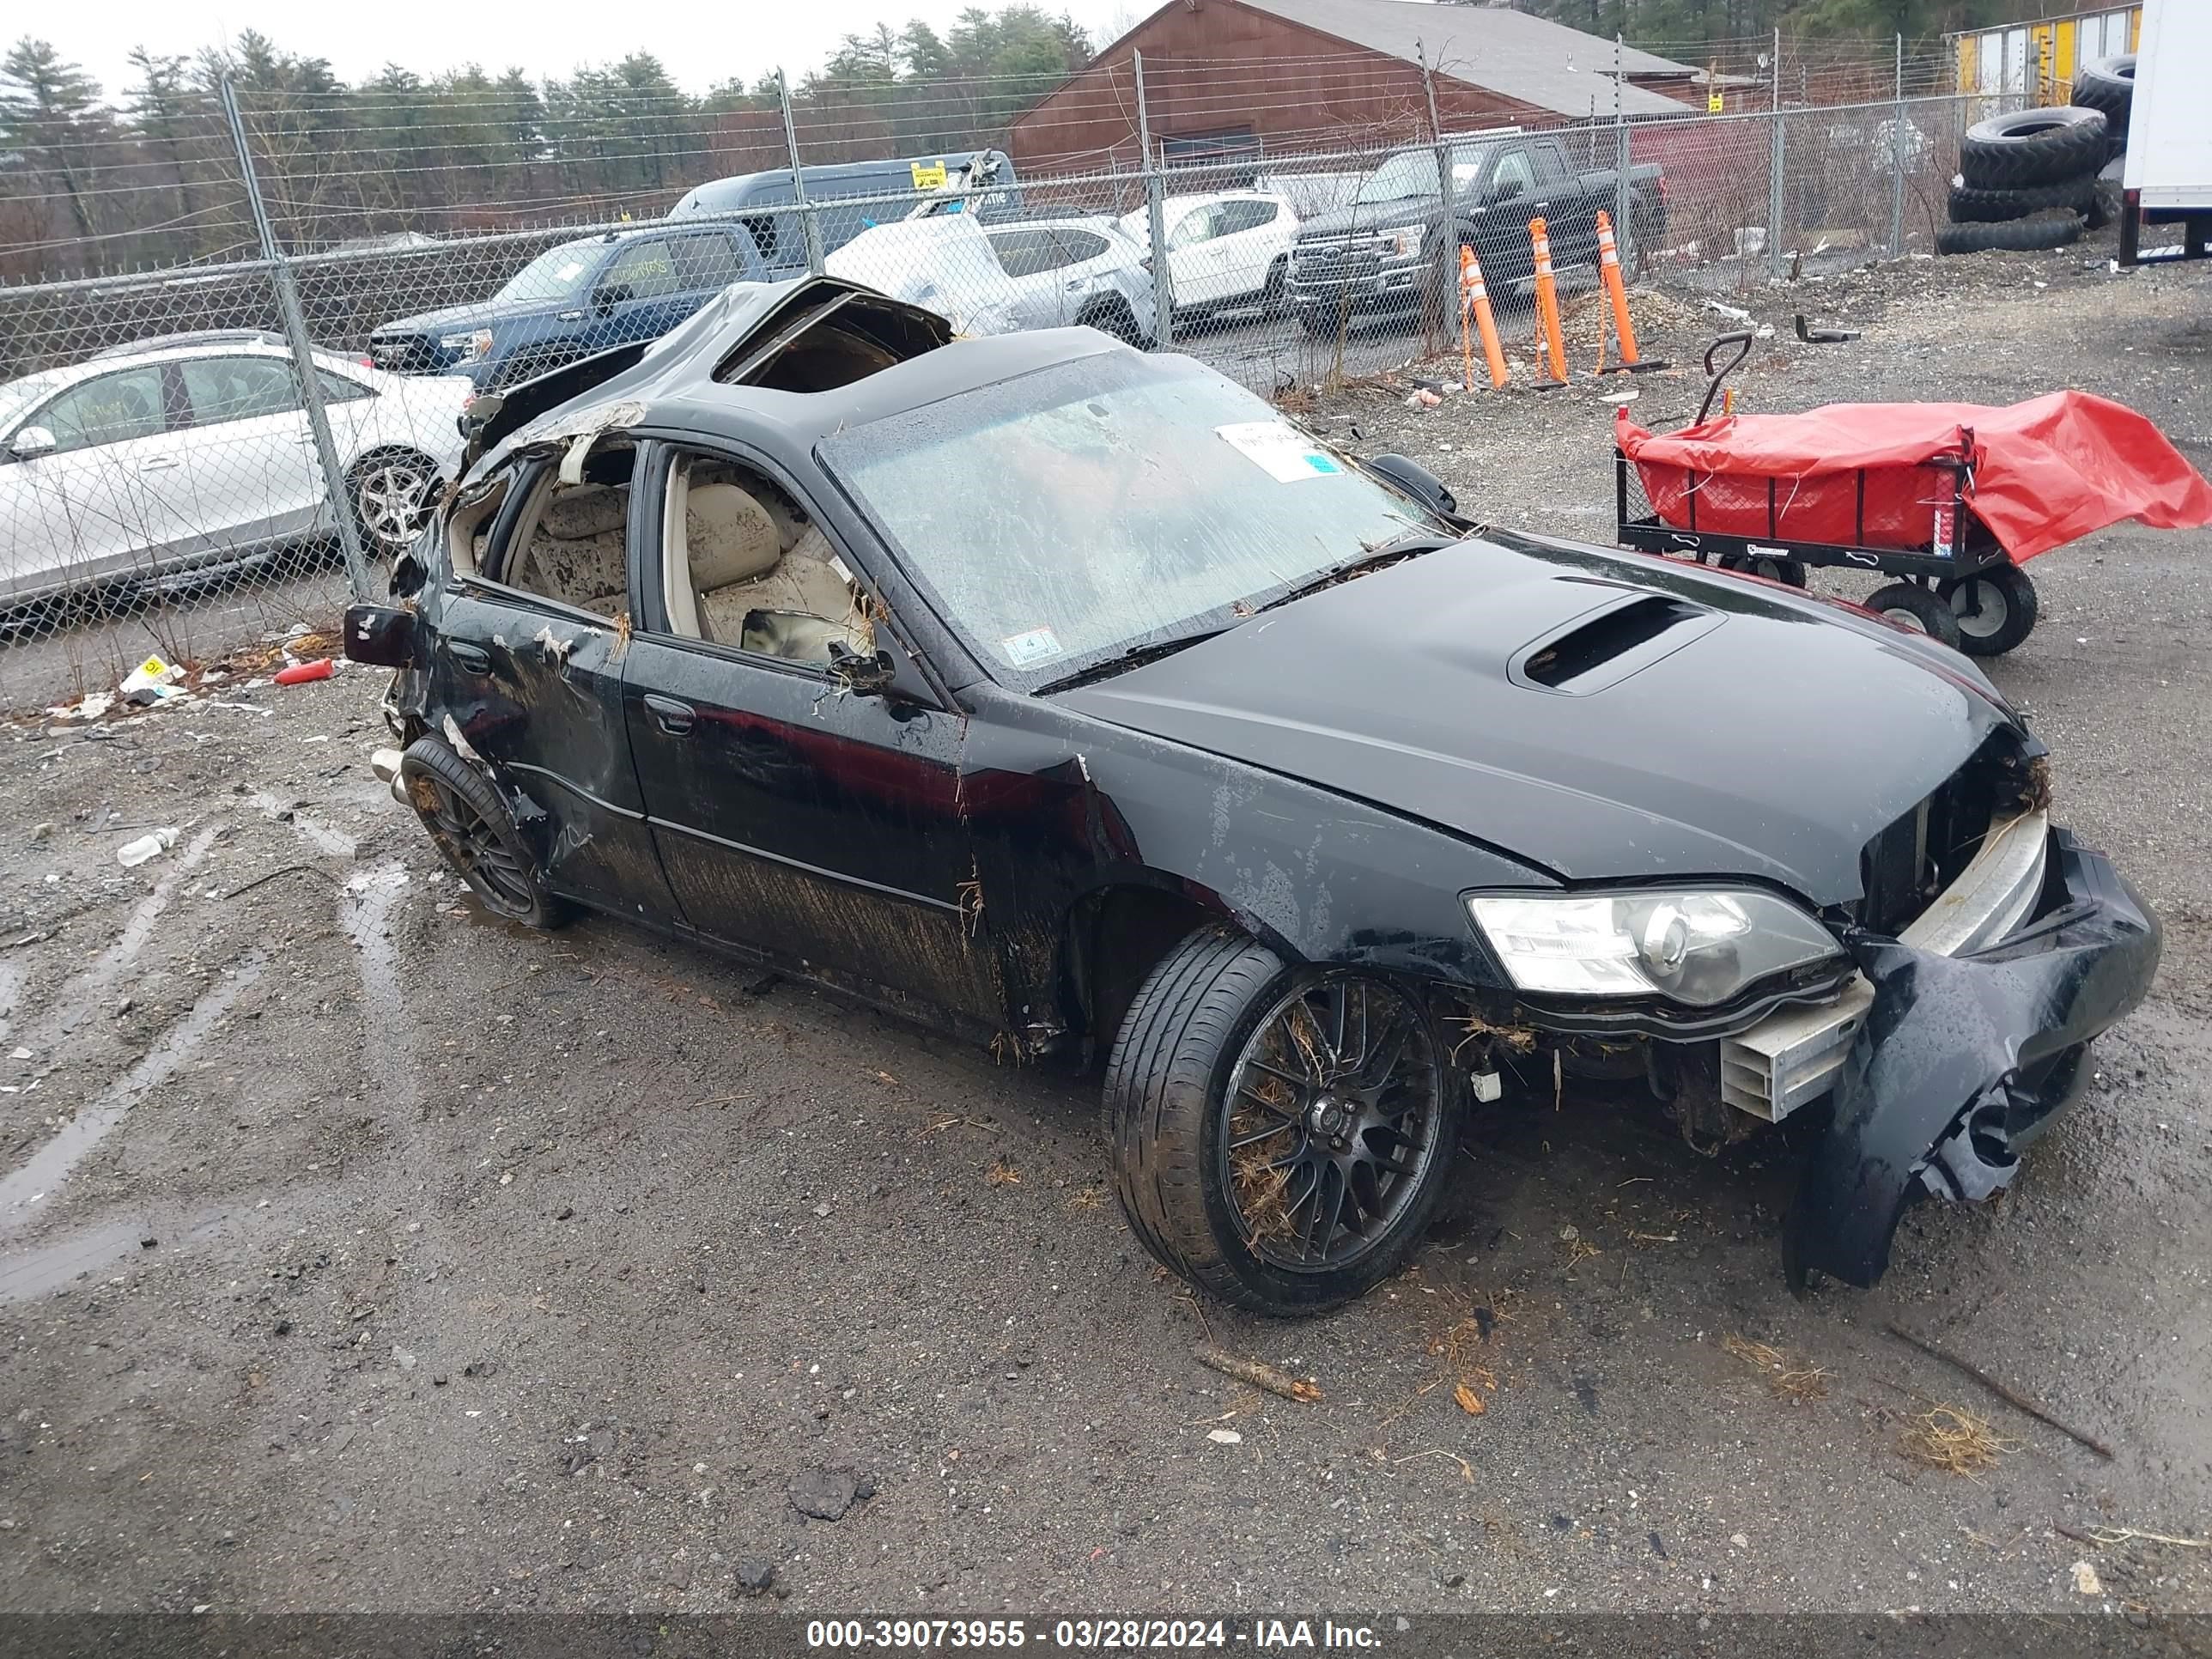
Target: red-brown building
{"x": 1262, "y": 78}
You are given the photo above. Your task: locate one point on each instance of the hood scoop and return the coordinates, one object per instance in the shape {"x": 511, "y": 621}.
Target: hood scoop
{"x": 1602, "y": 649}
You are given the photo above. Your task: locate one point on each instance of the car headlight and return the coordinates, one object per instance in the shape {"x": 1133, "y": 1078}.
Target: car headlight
{"x": 1698, "y": 948}
{"x": 1405, "y": 240}
{"x": 472, "y": 346}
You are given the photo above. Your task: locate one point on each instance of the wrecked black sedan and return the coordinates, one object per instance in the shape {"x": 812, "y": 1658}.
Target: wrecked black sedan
{"x": 1066, "y": 696}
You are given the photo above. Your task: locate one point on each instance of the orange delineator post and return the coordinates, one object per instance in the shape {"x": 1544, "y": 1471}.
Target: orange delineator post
{"x": 1608, "y": 264}
{"x": 1474, "y": 297}
{"x": 1547, "y": 301}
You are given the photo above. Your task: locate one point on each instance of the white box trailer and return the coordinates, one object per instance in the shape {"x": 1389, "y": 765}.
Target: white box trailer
{"x": 2167, "y": 177}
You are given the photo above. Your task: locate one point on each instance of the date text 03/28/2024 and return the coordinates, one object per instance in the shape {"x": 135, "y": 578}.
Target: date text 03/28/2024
{"x": 1100, "y": 1635}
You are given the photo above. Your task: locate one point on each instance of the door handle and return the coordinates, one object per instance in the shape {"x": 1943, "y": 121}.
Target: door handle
{"x": 159, "y": 463}
{"x": 671, "y": 716}
{"x": 473, "y": 657}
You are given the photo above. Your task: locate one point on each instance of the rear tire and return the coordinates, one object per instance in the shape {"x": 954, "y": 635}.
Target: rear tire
{"x": 1212, "y": 1062}
{"x": 2019, "y": 236}
{"x": 472, "y": 829}
{"x": 1996, "y": 609}
{"x": 1970, "y": 206}
{"x": 1114, "y": 317}
{"x": 2033, "y": 147}
{"x": 1910, "y": 606}
{"x": 1788, "y": 572}
{"x": 389, "y": 493}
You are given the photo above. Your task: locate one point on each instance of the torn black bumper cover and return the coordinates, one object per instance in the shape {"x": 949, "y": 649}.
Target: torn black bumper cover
{"x": 1961, "y": 1059}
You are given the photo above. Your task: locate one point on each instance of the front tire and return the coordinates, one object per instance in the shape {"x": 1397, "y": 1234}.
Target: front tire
{"x": 1995, "y": 609}
{"x": 1910, "y": 605}
{"x": 471, "y": 827}
{"x": 1281, "y": 1133}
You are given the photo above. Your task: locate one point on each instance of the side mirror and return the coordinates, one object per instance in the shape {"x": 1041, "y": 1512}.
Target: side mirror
{"x": 862, "y": 675}
{"x": 32, "y": 442}
{"x": 382, "y": 635}
{"x": 1413, "y": 478}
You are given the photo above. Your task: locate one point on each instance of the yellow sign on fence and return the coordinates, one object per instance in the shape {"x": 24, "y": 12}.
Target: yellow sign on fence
{"x": 929, "y": 175}
{"x": 1713, "y": 103}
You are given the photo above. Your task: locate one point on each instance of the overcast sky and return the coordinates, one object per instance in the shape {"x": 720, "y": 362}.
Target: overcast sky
{"x": 699, "y": 44}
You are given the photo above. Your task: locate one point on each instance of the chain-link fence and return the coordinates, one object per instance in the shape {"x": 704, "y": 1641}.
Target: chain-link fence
{"x": 195, "y": 455}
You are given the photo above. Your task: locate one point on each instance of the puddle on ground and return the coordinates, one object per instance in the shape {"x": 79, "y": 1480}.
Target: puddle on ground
{"x": 373, "y": 893}
{"x": 22, "y": 1193}
{"x": 36, "y": 1270}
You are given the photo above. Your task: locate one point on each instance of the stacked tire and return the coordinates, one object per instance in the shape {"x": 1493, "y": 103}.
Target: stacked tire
{"x": 2108, "y": 84}
{"x": 2027, "y": 182}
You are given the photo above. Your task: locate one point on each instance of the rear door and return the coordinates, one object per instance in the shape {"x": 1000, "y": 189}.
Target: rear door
{"x": 530, "y": 651}
{"x": 653, "y": 283}
{"x": 248, "y": 458}
{"x": 1251, "y": 239}
{"x": 821, "y": 827}
{"x": 1195, "y": 263}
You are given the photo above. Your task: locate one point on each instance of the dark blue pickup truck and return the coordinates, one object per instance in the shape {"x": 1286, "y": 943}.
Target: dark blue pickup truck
{"x": 573, "y": 300}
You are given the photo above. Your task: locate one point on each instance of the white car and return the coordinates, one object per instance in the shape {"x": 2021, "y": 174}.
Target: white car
{"x": 994, "y": 278}
{"x": 1226, "y": 250}
{"x": 198, "y": 458}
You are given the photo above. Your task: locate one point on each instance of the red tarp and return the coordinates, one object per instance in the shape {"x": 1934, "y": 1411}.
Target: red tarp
{"x": 2045, "y": 472}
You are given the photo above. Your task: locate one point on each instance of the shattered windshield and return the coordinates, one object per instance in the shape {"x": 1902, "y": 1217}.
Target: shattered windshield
{"x": 1064, "y": 518}
{"x": 559, "y": 273}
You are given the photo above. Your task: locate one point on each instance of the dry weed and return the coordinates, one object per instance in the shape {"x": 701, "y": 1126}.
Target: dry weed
{"x": 1953, "y": 1438}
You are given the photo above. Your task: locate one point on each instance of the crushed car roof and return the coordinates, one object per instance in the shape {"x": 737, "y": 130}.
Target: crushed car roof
{"x": 694, "y": 375}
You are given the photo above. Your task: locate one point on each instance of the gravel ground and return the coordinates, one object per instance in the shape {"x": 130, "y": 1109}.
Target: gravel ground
{"x": 357, "y": 1253}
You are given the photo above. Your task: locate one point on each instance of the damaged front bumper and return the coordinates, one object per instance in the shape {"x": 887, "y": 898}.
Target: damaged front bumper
{"x": 1962, "y": 1058}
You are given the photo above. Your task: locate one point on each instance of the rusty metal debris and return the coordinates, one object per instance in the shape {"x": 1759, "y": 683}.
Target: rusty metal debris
{"x": 1258, "y": 1373}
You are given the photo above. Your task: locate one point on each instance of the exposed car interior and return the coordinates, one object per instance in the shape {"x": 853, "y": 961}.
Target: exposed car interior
{"x": 847, "y": 337}
{"x": 742, "y": 566}
{"x": 570, "y": 543}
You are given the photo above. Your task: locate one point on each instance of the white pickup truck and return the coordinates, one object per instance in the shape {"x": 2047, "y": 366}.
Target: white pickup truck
{"x": 2167, "y": 178}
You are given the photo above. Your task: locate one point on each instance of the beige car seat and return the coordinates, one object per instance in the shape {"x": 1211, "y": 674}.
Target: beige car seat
{"x": 576, "y": 552}
{"x": 745, "y": 558}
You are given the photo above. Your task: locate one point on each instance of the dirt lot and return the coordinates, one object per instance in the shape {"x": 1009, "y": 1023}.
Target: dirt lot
{"x": 357, "y": 1253}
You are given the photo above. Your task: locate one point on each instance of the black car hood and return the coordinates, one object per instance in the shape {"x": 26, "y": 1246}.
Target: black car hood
{"x": 1695, "y": 724}
{"x": 1370, "y": 215}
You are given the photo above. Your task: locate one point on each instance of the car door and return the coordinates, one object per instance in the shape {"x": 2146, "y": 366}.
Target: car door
{"x": 1249, "y": 243}
{"x": 83, "y": 510}
{"x": 1508, "y": 201}
{"x": 530, "y": 651}
{"x": 1032, "y": 259}
{"x": 1571, "y": 208}
{"x": 248, "y": 459}
{"x": 1197, "y": 268}
{"x": 1087, "y": 266}
{"x": 821, "y": 827}
{"x": 651, "y": 283}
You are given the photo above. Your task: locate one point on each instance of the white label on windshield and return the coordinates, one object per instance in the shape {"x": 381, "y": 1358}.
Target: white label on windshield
{"x": 1028, "y": 650}
{"x": 1283, "y": 453}
{"x": 570, "y": 271}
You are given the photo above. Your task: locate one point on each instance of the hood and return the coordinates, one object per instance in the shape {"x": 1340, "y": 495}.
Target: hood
{"x": 1370, "y": 215}
{"x": 482, "y": 314}
{"x": 1605, "y": 717}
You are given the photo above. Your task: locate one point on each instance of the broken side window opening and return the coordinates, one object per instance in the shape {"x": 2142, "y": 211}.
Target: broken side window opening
{"x": 570, "y": 541}
{"x": 469, "y": 530}
{"x": 744, "y": 564}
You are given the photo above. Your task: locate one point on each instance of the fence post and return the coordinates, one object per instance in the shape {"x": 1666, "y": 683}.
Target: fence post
{"x": 810, "y": 225}
{"x": 1156, "y": 210}
{"x": 303, "y": 359}
{"x": 1774, "y": 180}
{"x": 1898, "y": 162}
{"x": 1622, "y": 221}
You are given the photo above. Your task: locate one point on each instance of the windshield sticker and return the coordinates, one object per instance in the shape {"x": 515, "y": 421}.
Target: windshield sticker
{"x": 1283, "y": 453}
{"x": 1028, "y": 650}
{"x": 569, "y": 272}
